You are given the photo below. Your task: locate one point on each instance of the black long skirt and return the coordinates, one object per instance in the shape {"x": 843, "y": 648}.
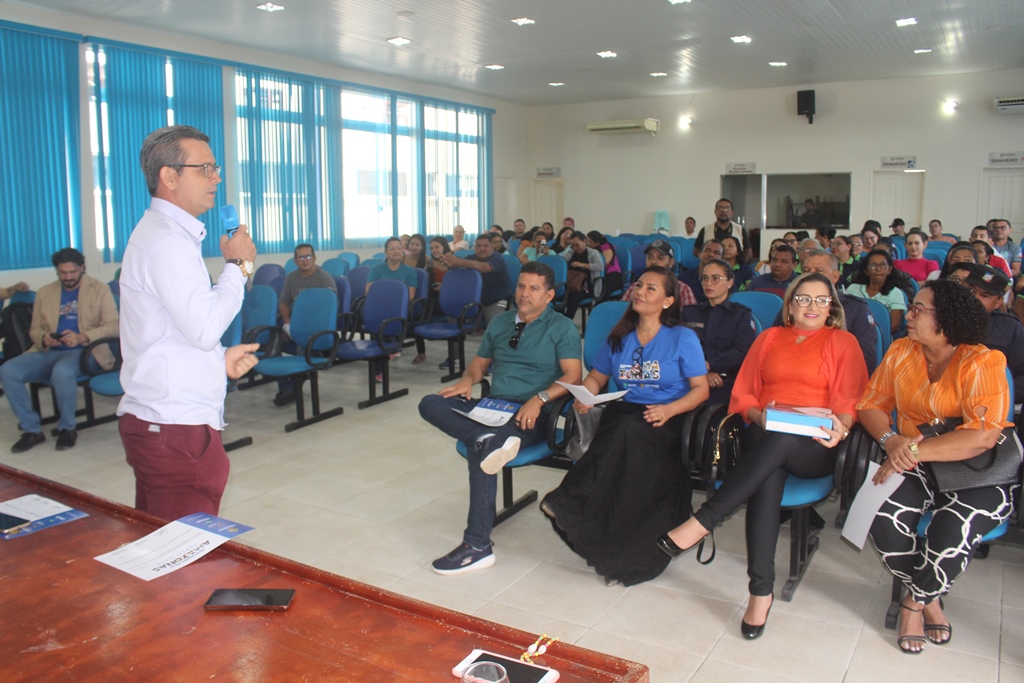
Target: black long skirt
{"x": 627, "y": 490}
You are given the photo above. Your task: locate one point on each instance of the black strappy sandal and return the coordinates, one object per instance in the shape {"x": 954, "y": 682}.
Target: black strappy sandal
{"x": 911, "y": 639}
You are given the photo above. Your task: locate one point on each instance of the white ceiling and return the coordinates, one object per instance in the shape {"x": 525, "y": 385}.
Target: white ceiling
{"x": 452, "y": 40}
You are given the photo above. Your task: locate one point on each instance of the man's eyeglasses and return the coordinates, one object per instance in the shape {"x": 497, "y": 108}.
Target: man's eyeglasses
{"x": 304, "y": 257}
{"x": 918, "y": 309}
{"x": 878, "y": 266}
{"x": 513, "y": 341}
{"x": 957, "y": 279}
{"x": 803, "y": 301}
{"x": 704, "y": 279}
{"x": 208, "y": 169}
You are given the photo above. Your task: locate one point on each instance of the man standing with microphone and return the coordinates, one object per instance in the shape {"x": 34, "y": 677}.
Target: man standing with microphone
{"x": 175, "y": 370}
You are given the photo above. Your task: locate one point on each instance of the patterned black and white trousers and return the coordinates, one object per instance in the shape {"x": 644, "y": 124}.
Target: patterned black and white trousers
{"x": 928, "y": 565}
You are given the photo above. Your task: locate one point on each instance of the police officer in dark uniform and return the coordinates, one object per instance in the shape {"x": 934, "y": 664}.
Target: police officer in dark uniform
{"x": 726, "y": 329}
{"x": 1005, "y": 333}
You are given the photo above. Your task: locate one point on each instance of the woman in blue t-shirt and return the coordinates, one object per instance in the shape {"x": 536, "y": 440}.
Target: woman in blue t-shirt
{"x": 616, "y": 499}
{"x": 393, "y": 268}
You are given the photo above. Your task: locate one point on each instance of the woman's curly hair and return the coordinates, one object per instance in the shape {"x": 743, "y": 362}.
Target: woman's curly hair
{"x": 959, "y": 315}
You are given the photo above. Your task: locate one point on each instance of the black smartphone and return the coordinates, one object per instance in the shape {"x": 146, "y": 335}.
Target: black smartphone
{"x": 9, "y": 523}
{"x": 274, "y": 599}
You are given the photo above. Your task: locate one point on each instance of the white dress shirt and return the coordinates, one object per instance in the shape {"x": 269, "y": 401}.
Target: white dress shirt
{"x": 172, "y": 320}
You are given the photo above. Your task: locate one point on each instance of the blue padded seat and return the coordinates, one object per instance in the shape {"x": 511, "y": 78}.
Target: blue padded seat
{"x": 459, "y": 300}
{"x": 107, "y": 384}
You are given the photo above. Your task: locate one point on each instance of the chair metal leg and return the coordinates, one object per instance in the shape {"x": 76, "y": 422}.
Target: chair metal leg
{"x": 892, "y": 614}
{"x": 456, "y": 352}
{"x": 300, "y": 408}
{"x": 802, "y": 546}
{"x": 386, "y": 394}
{"x": 237, "y": 443}
{"x": 511, "y": 506}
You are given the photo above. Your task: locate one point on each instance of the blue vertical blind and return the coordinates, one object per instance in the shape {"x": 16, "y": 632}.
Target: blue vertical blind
{"x": 455, "y": 164}
{"x": 133, "y": 94}
{"x": 39, "y": 134}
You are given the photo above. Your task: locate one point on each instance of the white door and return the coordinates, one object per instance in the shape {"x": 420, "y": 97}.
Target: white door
{"x": 547, "y": 203}
{"x": 504, "y": 202}
{"x": 1002, "y": 196}
{"x": 896, "y": 194}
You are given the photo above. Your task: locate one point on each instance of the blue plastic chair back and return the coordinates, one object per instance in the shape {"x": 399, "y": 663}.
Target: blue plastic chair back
{"x": 350, "y": 257}
{"x": 315, "y": 310}
{"x": 599, "y": 325}
{"x": 765, "y": 305}
{"x": 938, "y": 245}
{"x": 266, "y": 273}
{"x": 388, "y": 299}
{"x": 28, "y": 297}
{"x": 465, "y": 253}
{"x": 380, "y": 255}
{"x": 561, "y": 268}
{"x": 899, "y": 249}
{"x": 357, "y": 278}
{"x": 899, "y": 239}
{"x": 639, "y": 256}
{"x": 625, "y": 257}
{"x": 883, "y": 321}
{"x": 758, "y": 327}
{"x": 514, "y": 267}
{"x": 277, "y": 284}
{"x": 259, "y": 309}
{"x": 422, "y": 283}
{"x": 937, "y": 255}
{"x": 336, "y": 267}
{"x": 344, "y": 294}
{"x": 290, "y": 265}
{"x": 459, "y": 287}
{"x": 233, "y": 335}
{"x": 371, "y": 262}
{"x": 513, "y": 245}
{"x": 115, "y": 288}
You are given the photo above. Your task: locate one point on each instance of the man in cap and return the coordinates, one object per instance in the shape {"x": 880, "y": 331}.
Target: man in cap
{"x": 660, "y": 253}
{"x": 898, "y": 226}
{"x": 1005, "y": 332}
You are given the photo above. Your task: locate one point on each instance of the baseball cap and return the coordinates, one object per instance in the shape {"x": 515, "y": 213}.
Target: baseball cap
{"x": 897, "y": 221}
{"x": 988, "y": 279}
{"x": 662, "y": 246}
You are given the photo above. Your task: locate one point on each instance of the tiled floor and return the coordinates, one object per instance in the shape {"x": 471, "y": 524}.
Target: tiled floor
{"x": 389, "y": 494}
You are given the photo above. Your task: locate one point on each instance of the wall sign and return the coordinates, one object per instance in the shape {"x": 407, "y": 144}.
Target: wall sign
{"x": 549, "y": 172}
{"x": 1006, "y": 158}
{"x": 741, "y": 167}
{"x": 899, "y": 162}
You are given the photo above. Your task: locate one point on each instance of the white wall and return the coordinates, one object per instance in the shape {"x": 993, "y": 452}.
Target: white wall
{"x": 509, "y": 121}
{"x": 619, "y": 181}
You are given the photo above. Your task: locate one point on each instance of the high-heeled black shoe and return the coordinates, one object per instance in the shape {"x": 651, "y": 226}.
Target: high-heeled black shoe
{"x": 751, "y": 632}
{"x": 669, "y": 547}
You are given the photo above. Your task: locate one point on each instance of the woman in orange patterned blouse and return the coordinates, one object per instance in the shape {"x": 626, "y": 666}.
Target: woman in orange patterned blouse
{"x": 940, "y": 370}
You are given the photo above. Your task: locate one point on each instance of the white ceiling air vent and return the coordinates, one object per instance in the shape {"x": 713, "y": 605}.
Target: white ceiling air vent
{"x": 1010, "y": 105}
{"x": 624, "y": 126}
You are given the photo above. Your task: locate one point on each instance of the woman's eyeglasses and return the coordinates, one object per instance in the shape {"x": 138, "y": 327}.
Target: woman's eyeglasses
{"x": 514, "y": 339}
{"x": 878, "y": 266}
{"x": 918, "y": 309}
{"x": 704, "y": 279}
{"x": 803, "y": 301}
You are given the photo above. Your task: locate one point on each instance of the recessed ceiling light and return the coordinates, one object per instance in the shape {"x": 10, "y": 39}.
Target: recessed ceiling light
{"x": 776, "y": 64}
{"x": 494, "y": 67}
{"x": 270, "y": 7}
{"x": 740, "y": 39}
{"x": 909, "y": 21}
{"x": 678, "y": 2}
{"x": 523, "y": 21}
{"x": 404, "y": 14}
{"x": 950, "y": 106}
{"x": 922, "y": 51}
{"x": 399, "y": 41}
{"x": 556, "y": 85}
{"x": 658, "y": 74}
{"x": 605, "y": 54}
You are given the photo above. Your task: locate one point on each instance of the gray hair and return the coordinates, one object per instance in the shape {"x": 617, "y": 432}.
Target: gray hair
{"x": 833, "y": 261}
{"x": 163, "y": 148}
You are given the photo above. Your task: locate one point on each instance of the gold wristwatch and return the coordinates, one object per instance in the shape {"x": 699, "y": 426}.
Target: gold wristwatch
{"x": 247, "y": 266}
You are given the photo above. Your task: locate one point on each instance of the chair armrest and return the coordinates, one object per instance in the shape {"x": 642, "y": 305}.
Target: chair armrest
{"x": 597, "y": 289}
{"x": 356, "y": 306}
{"x": 274, "y": 343}
{"x": 469, "y": 319}
{"x": 485, "y": 388}
{"x": 321, "y": 359}
{"x": 90, "y": 366}
{"x": 561, "y": 408}
{"x": 391, "y": 343}
{"x": 421, "y": 310}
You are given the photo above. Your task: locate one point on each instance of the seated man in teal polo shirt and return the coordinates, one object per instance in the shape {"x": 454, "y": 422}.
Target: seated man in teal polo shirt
{"x": 531, "y": 349}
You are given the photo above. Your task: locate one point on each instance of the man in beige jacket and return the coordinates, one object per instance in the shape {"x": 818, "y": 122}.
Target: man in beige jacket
{"x": 66, "y": 316}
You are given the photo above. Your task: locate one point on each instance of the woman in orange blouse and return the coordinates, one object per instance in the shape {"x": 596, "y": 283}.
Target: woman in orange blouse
{"x": 940, "y": 370}
{"x": 810, "y": 361}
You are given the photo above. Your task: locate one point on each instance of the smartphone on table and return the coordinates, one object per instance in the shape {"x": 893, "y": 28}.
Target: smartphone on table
{"x": 10, "y": 523}
{"x": 260, "y": 599}
{"x": 518, "y": 670}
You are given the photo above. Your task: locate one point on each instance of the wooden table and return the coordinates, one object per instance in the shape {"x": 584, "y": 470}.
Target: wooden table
{"x": 66, "y": 617}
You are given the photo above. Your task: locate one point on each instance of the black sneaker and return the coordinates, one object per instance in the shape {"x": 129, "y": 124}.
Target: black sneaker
{"x": 444, "y": 365}
{"x": 283, "y": 398}
{"x": 27, "y": 441}
{"x": 465, "y": 558}
{"x": 66, "y": 439}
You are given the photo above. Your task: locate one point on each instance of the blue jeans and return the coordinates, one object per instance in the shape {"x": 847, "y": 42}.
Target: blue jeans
{"x": 483, "y": 488}
{"x": 60, "y": 368}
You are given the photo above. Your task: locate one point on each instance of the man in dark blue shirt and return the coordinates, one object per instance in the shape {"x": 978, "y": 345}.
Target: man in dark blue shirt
{"x": 496, "y": 285}
{"x": 782, "y": 265}
{"x": 1005, "y": 332}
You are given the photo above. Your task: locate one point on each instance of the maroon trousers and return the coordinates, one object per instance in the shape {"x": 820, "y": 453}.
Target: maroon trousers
{"x": 179, "y": 469}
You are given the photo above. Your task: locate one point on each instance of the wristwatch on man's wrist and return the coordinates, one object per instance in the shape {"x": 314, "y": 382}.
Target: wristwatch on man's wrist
{"x": 247, "y": 266}
{"x": 543, "y": 396}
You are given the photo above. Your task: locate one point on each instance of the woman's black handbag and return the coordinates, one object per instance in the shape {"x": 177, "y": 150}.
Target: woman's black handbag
{"x": 998, "y": 466}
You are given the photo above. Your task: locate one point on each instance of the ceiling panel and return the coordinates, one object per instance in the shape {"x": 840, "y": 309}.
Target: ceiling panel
{"x": 452, "y": 40}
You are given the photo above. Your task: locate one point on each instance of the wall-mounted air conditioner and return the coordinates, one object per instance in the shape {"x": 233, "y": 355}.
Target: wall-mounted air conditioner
{"x": 1010, "y": 105}
{"x": 624, "y": 126}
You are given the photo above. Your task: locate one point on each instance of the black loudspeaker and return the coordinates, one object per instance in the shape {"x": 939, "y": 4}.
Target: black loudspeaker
{"x": 805, "y": 104}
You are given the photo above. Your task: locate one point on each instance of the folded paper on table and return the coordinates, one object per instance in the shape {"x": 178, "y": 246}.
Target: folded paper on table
{"x": 491, "y": 412}
{"x": 583, "y": 395}
{"x": 42, "y": 512}
{"x": 799, "y": 421}
{"x": 866, "y": 503}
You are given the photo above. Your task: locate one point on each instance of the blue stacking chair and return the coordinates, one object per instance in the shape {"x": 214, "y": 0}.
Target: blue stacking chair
{"x": 277, "y": 284}
{"x": 603, "y": 318}
{"x": 259, "y": 310}
{"x": 899, "y": 248}
{"x": 561, "y": 268}
{"x": 28, "y": 297}
{"x": 465, "y": 253}
{"x": 937, "y": 245}
{"x": 459, "y": 300}
{"x": 639, "y": 256}
{"x": 882, "y": 321}
{"x": 385, "y": 314}
{"x": 765, "y": 305}
{"x": 336, "y": 267}
{"x": 344, "y": 295}
{"x": 357, "y": 278}
{"x": 232, "y": 337}
{"x": 980, "y": 552}
{"x": 513, "y": 245}
{"x": 351, "y": 257}
{"x": 625, "y": 257}
{"x": 290, "y": 266}
{"x": 266, "y": 273}
{"x": 514, "y": 268}
{"x": 313, "y": 329}
{"x": 380, "y": 256}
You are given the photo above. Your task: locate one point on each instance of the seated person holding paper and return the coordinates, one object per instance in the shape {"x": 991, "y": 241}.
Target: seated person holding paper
{"x": 531, "y": 349}
{"x": 631, "y": 484}
{"x": 810, "y": 361}
{"x": 941, "y": 370}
